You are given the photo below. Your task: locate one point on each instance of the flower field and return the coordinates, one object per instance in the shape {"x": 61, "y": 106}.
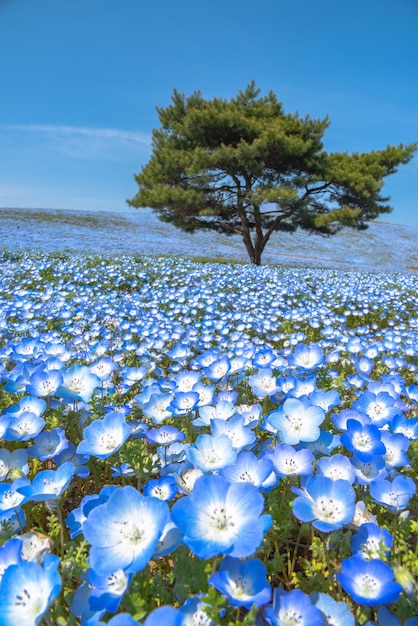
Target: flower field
{"x": 189, "y": 443}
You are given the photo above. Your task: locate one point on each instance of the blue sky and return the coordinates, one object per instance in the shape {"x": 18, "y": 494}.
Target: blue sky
{"x": 80, "y": 81}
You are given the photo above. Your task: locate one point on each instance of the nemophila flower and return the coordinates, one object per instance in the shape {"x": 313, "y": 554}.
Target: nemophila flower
{"x": 165, "y": 435}
{"x": 394, "y": 495}
{"x": 27, "y": 589}
{"x": 407, "y": 426}
{"x": 44, "y": 383}
{"x": 78, "y": 384}
{"x": 223, "y": 410}
{"x": 250, "y": 469}
{"x": 380, "y": 407}
{"x": 328, "y": 504}
{"x": 369, "y": 582}
{"x": 124, "y": 531}
{"x": 226, "y": 395}
{"x": 163, "y": 615}
{"x": 183, "y": 402}
{"x": 263, "y": 357}
{"x": 179, "y": 352}
{"x": 13, "y": 464}
{"x": 371, "y": 542}
{"x": 336, "y": 467}
{"x": 221, "y": 518}
{"x": 303, "y": 387}
{"x": 157, "y": 407}
{"x": 364, "y": 366}
{"x": 218, "y": 369}
{"x": 364, "y": 441}
{"x": 103, "y": 368}
{"x": 396, "y": 445}
{"x": 23, "y": 427}
{"x": 334, "y": 613}
{"x": 186, "y": 379}
{"x": 327, "y": 400}
{"x": 10, "y": 497}
{"x": 193, "y": 613}
{"x": 79, "y": 461}
{"x": 10, "y": 554}
{"x": 297, "y": 420}
{"x": 77, "y": 516}
{"x": 325, "y": 444}
{"x": 240, "y": 435}
{"x": 263, "y": 383}
{"x": 173, "y": 453}
{"x": 368, "y": 471}
{"x": 362, "y": 515}
{"x": 289, "y": 462}
{"x": 340, "y": 419}
{"x": 138, "y": 429}
{"x": 48, "y": 484}
{"x": 107, "y": 590}
{"x": 244, "y": 583}
{"x": 104, "y": 437}
{"x": 210, "y": 452}
{"x": 251, "y": 414}
{"x": 48, "y": 444}
{"x": 292, "y": 607}
{"x": 306, "y": 356}
{"x": 170, "y": 539}
{"x": 206, "y": 393}
{"x": 164, "y": 488}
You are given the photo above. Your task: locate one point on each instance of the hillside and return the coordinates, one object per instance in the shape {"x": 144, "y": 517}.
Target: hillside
{"x": 382, "y": 247}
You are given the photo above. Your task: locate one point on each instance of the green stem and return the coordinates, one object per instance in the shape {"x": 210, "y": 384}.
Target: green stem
{"x": 62, "y": 528}
{"x": 295, "y": 554}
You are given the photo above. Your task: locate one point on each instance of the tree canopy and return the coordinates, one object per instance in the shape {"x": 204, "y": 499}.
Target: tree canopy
{"x": 244, "y": 166}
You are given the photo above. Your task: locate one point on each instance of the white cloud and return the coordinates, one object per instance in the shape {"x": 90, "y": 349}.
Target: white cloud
{"x": 67, "y": 131}
{"x": 78, "y": 142}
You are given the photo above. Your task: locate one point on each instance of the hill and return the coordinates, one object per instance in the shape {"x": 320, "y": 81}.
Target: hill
{"x": 382, "y": 247}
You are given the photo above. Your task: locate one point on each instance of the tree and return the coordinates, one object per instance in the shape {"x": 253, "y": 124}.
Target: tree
{"x": 246, "y": 167}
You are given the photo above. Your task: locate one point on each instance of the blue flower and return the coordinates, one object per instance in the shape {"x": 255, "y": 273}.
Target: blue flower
{"x": 371, "y": 542}
{"x": 364, "y": 441}
{"x": 104, "y": 437}
{"x": 221, "y": 518}
{"x": 337, "y": 467}
{"x": 124, "y": 531}
{"x": 240, "y": 435}
{"x": 292, "y": 607}
{"x": 107, "y": 590}
{"x": 157, "y": 407}
{"x": 335, "y": 613}
{"x": 289, "y": 462}
{"x": 164, "y": 488}
{"x": 328, "y": 504}
{"x": 394, "y": 495}
{"x": 49, "y": 484}
{"x": 369, "y": 583}
{"x": 244, "y": 583}
{"x": 78, "y": 384}
{"x": 44, "y": 383}
{"x": 297, "y": 420}
{"x": 10, "y": 554}
{"x": 48, "y": 444}
{"x": 211, "y": 453}
{"x": 26, "y": 591}
{"x": 165, "y": 435}
{"x": 306, "y": 356}
{"x": 248, "y": 468}
{"x": 13, "y": 464}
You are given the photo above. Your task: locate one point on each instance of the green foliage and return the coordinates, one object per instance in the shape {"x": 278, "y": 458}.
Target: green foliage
{"x": 246, "y": 167}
